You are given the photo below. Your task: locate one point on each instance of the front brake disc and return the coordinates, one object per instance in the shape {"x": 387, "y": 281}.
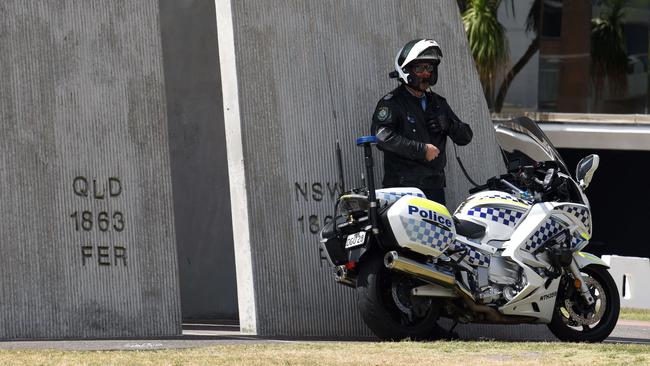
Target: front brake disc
{"x": 581, "y": 317}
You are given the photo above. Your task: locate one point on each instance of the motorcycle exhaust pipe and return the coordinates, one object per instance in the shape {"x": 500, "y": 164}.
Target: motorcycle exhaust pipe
{"x": 342, "y": 276}
{"x": 392, "y": 260}
{"x": 492, "y": 316}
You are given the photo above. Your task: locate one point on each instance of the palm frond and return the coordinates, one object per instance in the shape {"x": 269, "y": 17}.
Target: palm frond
{"x": 608, "y": 51}
{"x": 487, "y": 41}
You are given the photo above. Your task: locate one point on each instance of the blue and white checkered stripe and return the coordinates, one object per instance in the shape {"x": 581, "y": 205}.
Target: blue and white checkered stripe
{"x": 421, "y": 232}
{"x": 505, "y": 196}
{"x": 394, "y": 196}
{"x": 543, "y": 233}
{"x": 472, "y": 256}
{"x": 577, "y": 241}
{"x": 501, "y": 215}
{"x": 581, "y": 213}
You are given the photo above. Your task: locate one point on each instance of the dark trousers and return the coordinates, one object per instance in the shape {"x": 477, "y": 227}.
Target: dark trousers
{"x": 435, "y": 194}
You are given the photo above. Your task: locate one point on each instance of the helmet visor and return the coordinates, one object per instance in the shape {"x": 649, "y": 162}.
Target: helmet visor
{"x": 431, "y": 54}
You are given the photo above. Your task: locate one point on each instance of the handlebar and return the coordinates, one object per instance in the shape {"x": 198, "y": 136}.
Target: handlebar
{"x": 532, "y": 187}
{"x": 492, "y": 183}
{"x": 513, "y": 187}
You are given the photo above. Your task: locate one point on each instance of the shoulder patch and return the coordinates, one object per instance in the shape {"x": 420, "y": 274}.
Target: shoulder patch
{"x": 388, "y": 96}
{"x": 383, "y": 113}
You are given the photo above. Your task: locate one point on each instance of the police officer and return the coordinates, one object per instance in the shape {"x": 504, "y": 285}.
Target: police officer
{"x": 412, "y": 123}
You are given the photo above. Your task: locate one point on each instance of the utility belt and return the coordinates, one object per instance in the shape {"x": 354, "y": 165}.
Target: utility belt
{"x": 424, "y": 182}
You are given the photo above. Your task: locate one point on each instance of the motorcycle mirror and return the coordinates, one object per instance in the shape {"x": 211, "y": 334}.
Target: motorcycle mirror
{"x": 586, "y": 169}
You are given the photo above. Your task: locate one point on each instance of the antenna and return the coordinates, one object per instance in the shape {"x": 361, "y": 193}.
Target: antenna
{"x": 339, "y": 164}
{"x": 339, "y": 161}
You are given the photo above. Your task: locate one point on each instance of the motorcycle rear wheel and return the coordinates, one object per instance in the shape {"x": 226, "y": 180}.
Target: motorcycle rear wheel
{"x": 573, "y": 321}
{"x": 388, "y": 309}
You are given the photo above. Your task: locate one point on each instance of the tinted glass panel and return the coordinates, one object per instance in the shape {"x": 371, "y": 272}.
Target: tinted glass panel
{"x": 591, "y": 57}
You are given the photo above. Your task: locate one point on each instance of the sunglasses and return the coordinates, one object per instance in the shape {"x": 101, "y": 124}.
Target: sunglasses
{"x": 423, "y": 67}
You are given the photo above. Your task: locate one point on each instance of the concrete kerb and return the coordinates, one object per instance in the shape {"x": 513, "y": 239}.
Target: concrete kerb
{"x": 198, "y": 336}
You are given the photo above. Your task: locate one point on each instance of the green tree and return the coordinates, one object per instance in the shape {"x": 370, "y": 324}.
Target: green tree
{"x": 487, "y": 42}
{"x": 608, "y": 51}
{"x": 489, "y": 45}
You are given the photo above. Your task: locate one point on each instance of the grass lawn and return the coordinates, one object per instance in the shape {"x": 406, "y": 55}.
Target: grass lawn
{"x": 350, "y": 353}
{"x": 635, "y": 314}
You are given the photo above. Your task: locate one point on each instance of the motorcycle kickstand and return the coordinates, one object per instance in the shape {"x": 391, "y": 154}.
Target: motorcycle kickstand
{"x": 450, "y": 333}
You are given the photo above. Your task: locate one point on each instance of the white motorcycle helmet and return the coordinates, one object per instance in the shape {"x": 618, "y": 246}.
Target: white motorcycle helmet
{"x": 417, "y": 50}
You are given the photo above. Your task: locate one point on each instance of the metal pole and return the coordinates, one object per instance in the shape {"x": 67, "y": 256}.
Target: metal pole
{"x": 372, "y": 199}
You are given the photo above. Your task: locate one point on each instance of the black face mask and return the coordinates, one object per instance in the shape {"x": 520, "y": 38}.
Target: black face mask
{"x": 414, "y": 81}
{"x": 433, "y": 79}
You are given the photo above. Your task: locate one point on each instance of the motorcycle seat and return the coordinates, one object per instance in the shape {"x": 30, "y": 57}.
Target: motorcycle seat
{"x": 469, "y": 229}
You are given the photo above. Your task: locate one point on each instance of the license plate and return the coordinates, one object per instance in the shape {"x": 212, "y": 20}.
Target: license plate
{"x": 356, "y": 239}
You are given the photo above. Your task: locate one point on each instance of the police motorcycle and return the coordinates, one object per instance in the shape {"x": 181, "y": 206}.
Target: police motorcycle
{"x": 511, "y": 253}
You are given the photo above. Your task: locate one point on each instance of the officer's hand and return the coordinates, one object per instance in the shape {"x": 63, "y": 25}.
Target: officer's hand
{"x": 443, "y": 122}
{"x": 432, "y": 152}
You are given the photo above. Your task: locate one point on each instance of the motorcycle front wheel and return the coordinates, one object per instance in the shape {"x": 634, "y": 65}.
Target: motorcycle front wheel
{"x": 575, "y": 321}
{"x": 387, "y": 306}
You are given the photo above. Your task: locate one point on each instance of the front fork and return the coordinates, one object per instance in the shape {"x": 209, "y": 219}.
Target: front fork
{"x": 577, "y": 276}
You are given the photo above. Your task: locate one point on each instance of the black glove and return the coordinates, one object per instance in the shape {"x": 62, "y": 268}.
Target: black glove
{"x": 439, "y": 124}
{"x": 444, "y": 122}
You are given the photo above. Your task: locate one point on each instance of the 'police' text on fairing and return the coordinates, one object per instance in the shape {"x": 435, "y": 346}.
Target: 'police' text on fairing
{"x": 431, "y": 215}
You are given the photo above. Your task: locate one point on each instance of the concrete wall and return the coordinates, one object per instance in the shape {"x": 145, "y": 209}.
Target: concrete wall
{"x": 296, "y": 76}
{"x": 87, "y": 231}
{"x": 631, "y": 276}
{"x": 198, "y": 160}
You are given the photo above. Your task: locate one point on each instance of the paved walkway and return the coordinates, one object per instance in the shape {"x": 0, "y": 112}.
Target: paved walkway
{"x": 627, "y": 331}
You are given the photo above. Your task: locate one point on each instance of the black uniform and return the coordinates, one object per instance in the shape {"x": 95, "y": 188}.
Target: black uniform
{"x": 404, "y": 128}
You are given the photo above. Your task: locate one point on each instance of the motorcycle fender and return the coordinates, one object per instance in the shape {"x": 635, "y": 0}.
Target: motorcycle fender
{"x": 357, "y": 254}
{"x": 584, "y": 259}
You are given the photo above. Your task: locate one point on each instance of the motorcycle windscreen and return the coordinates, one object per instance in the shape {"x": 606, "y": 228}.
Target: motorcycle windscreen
{"x": 523, "y": 143}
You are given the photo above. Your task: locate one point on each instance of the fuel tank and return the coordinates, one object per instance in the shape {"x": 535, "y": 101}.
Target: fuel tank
{"x": 499, "y": 212}
{"x": 421, "y": 225}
